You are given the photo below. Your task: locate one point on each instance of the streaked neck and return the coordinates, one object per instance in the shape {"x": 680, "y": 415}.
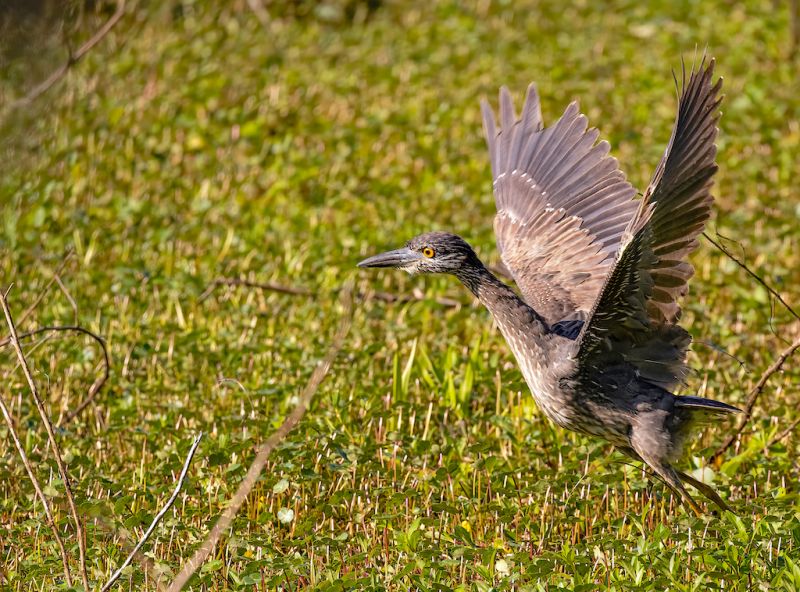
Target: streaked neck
{"x": 508, "y": 309}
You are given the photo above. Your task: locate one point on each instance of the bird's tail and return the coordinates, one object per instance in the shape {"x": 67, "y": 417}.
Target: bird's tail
{"x": 708, "y": 405}
{"x": 695, "y": 412}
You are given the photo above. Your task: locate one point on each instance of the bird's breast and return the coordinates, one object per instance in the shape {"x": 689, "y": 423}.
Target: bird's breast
{"x": 542, "y": 373}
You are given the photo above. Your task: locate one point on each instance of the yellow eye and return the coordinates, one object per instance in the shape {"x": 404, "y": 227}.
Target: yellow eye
{"x": 428, "y": 252}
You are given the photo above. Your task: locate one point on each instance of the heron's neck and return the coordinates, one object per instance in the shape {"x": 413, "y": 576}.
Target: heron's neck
{"x": 508, "y": 309}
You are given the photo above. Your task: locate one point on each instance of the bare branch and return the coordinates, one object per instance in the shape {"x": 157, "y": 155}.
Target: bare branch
{"x": 158, "y": 516}
{"x": 62, "y": 469}
{"x": 752, "y": 398}
{"x": 784, "y": 433}
{"x": 224, "y": 522}
{"x": 103, "y": 524}
{"x": 98, "y": 383}
{"x": 72, "y": 59}
{"x": 269, "y": 286}
{"x": 752, "y": 274}
{"x": 32, "y": 476}
{"x": 300, "y": 291}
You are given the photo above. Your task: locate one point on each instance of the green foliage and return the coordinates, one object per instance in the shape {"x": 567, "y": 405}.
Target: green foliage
{"x": 211, "y": 144}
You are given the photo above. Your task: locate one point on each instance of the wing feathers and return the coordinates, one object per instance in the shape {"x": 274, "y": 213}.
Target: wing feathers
{"x": 638, "y": 306}
{"x": 532, "y": 110}
{"x": 562, "y": 202}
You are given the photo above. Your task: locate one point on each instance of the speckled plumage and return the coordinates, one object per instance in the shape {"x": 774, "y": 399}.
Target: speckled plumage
{"x": 595, "y": 332}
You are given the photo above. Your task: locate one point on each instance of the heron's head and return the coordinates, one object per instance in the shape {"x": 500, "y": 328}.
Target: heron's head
{"x": 432, "y": 252}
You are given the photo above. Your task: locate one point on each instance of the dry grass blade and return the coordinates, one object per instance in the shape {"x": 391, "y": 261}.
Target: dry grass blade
{"x": 62, "y": 469}
{"x": 39, "y": 493}
{"x": 115, "y": 576}
{"x": 224, "y": 522}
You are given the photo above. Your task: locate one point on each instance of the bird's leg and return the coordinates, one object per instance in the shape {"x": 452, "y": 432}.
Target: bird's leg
{"x": 670, "y": 477}
{"x": 706, "y": 490}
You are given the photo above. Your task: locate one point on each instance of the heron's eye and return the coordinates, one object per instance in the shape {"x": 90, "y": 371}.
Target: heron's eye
{"x": 428, "y": 252}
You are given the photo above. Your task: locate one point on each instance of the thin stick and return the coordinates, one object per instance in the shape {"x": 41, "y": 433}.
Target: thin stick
{"x": 98, "y": 383}
{"x": 147, "y": 564}
{"x": 752, "y": 397}
{"x": 69, "y": 297}
{"x": 73, "y": 58}
{"x": 752, "y": 274}
{"x": 32, "y": 476}
{"x": 784, "y": 433}
{"x": 62, "y": 469}
{"x": 300, "y": 291}
{"x": 269, "y": 286}
{"x": 158, "y": 516}
{"x": 42, "y": 293}
{"x": 224, "y": 522}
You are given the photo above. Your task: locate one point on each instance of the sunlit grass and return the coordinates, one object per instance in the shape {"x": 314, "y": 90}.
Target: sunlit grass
{"x": 208, "y": 146}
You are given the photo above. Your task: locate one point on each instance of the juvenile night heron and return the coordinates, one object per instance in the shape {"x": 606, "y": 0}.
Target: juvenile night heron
{"x": 595, "y": 332}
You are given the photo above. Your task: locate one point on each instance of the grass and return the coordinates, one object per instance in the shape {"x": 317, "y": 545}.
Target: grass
{"x": 197, "y": 143}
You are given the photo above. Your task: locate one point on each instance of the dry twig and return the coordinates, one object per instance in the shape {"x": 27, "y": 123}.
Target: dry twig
{"x": 73, "y": 58}
{"x": 62, "y": 469}
{"x": 269, "y": 286}
{"x": 158, "y": 516}
{"x": 752, "y": 398}
{"x": 102, "y": 523}
{"x": 752, "y": 274}
{"x": 300, "y": 291}
{"x": 224, "y": 522}
{"x": 23, "y": 317}
{"x": 784, "y": 433}
{"x": 69, "y": 297}
{"x": 32, "y": 476}
{"x": 98, "y": 383}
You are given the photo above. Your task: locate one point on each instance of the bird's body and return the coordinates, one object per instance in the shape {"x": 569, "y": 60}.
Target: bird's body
{"x": 595, "y": 332}
{"x": 610, "y": 404}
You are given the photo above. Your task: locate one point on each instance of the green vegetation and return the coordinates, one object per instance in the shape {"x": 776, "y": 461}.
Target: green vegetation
{"x": 196, "y": 142}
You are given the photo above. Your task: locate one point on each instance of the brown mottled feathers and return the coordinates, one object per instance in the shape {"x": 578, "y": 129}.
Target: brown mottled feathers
{"x": 634, "y": 318}
{"x": 562, "y": 206}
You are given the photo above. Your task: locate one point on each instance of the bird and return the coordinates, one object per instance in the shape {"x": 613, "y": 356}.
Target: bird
{"x": 600, "y": 271}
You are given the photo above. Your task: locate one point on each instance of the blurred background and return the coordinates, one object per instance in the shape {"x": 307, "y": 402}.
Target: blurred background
{"x": 280, "y": 142}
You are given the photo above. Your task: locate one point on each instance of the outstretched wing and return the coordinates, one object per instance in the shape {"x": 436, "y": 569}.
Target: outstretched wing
{"x": 633, "y": 321}
{"x": 562, "y": 206}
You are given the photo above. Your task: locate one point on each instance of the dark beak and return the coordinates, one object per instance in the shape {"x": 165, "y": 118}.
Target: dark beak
{"x": 396, "y": 258}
